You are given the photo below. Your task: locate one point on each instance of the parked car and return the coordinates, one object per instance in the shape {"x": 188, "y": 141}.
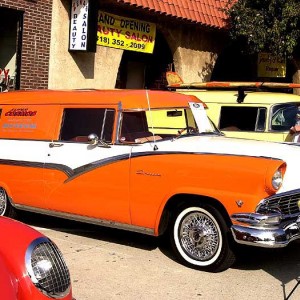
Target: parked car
{"x": 32, "y": 267}
{"x": 250, "y": 110}
{"x": 150, "y": 162}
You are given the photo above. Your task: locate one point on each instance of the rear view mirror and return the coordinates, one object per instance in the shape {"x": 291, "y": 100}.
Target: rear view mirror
{"x": 174, "y": 113}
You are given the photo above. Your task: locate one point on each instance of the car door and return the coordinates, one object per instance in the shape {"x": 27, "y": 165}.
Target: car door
{"x": 89, "y": 181}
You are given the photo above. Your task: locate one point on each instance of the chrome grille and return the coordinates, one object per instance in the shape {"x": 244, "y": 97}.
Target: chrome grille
{"x": 47, "y": 268}
{"x": 287, "y": 204}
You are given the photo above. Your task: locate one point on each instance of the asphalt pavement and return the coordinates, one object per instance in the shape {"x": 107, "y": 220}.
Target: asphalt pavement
{"x": 114, "y": 264}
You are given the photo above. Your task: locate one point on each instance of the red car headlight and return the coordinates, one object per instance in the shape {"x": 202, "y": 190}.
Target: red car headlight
{"x": 47, "y": 268}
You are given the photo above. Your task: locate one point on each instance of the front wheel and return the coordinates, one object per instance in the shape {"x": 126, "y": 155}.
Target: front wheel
{"x": 199, "y": 239}
{"x": 6, "y": 208}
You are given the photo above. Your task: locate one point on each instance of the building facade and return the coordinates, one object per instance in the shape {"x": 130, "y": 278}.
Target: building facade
{"x": 37, "y": 54}
{"x": 189, "y": 48}
{"x": 40, "y": 49}
{"x": 25, "y": 37}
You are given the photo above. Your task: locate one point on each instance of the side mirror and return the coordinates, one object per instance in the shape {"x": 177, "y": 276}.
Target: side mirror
{"x": 93, "y": 139}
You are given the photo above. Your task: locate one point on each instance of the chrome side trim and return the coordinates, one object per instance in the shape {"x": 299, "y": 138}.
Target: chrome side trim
{"x": 137, "y": 154}
{"x": 21, "y": 163}
{"x": 70, "y": 173}
{"x": 106, "y": 223}
{"x": 96, "y": 164}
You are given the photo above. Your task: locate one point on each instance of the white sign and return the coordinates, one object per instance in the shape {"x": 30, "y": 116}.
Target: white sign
{"x": 200, "y": 117}
{"x": 79, "y": 25}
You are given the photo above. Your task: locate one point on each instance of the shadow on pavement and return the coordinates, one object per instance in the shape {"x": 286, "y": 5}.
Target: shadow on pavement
{"x": 98, "y": 232}
{"x": 283, "y": 264}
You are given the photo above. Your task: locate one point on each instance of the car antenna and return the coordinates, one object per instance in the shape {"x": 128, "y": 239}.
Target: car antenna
{"x": 149, "y": 108}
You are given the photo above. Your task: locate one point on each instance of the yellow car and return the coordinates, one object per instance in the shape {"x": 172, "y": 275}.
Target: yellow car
{"x": 249, "y": 111}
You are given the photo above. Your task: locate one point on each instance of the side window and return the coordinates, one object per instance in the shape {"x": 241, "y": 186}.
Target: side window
{"x": 78, "y": 123}
{"x": 0, "y": 112}
{"x": 163, "y": 123}
{"x": 243, "y": 118}
{"x": 134, "y": 125}
{"x": 283, "y": 117}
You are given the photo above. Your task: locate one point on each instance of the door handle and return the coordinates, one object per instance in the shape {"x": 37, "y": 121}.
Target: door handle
{"x": 52, "y": 145}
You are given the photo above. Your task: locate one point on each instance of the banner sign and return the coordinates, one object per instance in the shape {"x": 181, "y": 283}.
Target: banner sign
{"x": 79, "y": 25}
{"x": 83, "y": 26}
{"x": 271, "y": 66}
{"x": 125, "y": 33}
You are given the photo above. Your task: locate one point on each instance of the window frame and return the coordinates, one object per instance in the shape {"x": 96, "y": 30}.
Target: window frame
{"x": 259, "y": 124}
{"x": 104, "y": 121}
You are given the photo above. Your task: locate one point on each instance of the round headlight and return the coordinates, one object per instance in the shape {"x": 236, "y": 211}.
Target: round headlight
{"x": 277, "y": 179}
{"x": 47, "y": 268}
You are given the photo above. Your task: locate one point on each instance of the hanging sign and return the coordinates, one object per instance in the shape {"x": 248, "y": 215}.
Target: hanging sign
{"x": 271, "y": 66}
{"x": 82, "y": 33}
{"x": 125, "y": 33}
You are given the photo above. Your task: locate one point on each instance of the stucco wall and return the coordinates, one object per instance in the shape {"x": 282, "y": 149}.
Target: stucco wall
{"x": 194, "y": 53}
{"x": 75, "y": 70}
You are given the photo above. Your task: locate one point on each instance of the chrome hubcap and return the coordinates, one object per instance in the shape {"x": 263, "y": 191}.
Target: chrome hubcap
{"x": 3, "y": 202}
{"x": 199, "y": 236}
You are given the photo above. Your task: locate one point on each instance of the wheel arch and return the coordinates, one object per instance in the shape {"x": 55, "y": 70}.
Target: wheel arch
{"x": 179, "y": 200}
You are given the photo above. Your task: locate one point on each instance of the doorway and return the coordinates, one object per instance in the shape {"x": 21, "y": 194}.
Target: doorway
{"x": 10, "y": 50}
{"x": 143, "y": 70}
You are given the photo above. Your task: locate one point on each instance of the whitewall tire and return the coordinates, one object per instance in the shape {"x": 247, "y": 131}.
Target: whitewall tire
{"x": 200, "y": 238}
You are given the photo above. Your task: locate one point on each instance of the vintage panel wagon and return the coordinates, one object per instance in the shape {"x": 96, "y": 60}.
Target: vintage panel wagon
{"x": 150, "y": 162}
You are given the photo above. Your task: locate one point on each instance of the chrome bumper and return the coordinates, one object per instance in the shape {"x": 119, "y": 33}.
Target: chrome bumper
{"x": 264, "y": 230}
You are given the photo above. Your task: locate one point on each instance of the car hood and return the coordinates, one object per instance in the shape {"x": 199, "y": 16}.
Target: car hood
{"x": 8, "y": 283}
{"x": 289, "y": 153}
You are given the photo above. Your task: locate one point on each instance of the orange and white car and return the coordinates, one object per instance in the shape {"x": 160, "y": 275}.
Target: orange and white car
{"x": 150, "y": 162}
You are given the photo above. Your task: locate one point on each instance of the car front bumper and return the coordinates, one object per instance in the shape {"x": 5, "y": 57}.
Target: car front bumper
{"x": 264, "y": 231}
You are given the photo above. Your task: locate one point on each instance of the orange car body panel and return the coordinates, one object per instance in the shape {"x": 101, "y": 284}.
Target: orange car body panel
{"x": 120, "y": 191}
{"x": 150, "y": 193}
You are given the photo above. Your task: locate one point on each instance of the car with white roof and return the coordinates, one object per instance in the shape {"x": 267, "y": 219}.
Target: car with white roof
{"x": 151, "y": 162}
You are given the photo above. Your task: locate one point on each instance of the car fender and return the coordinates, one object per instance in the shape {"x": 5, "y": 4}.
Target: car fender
{"x": 8, "y": 282}
{"x": 232, "y": 200}
{"x": 15, "y": 238}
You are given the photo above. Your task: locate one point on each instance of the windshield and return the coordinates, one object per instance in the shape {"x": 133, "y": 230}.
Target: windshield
{"x": 158, "y": 124}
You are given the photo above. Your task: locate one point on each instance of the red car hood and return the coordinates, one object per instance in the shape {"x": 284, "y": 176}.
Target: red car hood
{"x": 8, "y": 284}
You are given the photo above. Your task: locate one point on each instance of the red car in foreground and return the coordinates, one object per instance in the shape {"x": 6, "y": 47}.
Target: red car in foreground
{"x": 31, "y": 265}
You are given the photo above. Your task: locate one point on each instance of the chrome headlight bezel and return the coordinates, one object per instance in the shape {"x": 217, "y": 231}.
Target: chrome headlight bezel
{"x": 277, "y": 179}
{"x": 47, "y": 269}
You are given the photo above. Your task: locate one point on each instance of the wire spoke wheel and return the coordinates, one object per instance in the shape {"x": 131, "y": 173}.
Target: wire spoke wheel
{"x": 199, "y": 236}
{"x": 3, "y": 202}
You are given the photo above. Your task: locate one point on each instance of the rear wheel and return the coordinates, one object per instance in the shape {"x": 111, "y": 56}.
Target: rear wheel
{"x": 199, "y": 238}
{"x": 6, "y": 208}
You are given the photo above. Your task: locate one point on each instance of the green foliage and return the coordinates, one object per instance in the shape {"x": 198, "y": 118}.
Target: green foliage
{"x": 265, "y": 25}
